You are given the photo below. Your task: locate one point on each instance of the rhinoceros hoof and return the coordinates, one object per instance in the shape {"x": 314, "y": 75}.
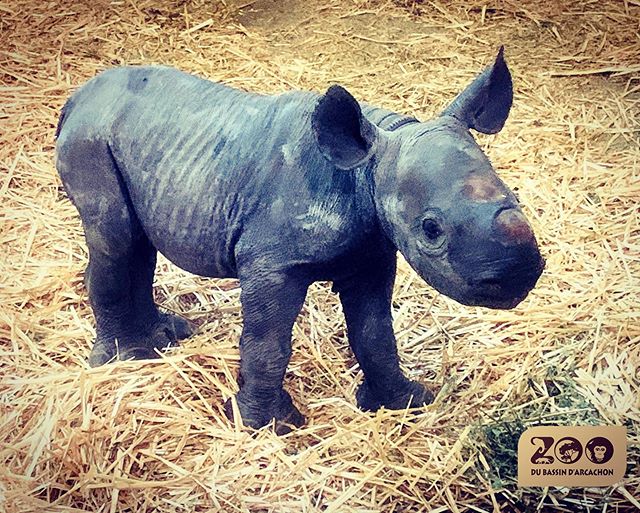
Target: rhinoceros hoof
{"x": 178, "y": 327}
{"x": 414, "y": 395}
{"x": 106, "y": 351}
{"x": 160, "y": 336}
{"x": 281, "y": 413}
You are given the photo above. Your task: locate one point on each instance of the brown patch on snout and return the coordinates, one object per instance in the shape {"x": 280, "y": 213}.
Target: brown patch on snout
{"x": 513, "y": 227}
{"x": 483, "y": 189}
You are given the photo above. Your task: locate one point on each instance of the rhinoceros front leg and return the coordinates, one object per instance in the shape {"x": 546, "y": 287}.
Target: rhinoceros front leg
{"x": 366, "y": 301}
{"x": 271, "y": 302}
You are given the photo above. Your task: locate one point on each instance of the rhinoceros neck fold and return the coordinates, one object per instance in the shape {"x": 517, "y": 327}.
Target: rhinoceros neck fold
{"x": 386, "y": 119}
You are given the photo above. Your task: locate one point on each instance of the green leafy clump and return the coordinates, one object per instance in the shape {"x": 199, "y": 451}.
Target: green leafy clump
{"x": 497, "y": 435}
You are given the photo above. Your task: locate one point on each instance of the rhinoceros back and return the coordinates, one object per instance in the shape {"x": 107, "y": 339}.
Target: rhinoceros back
{"x": 197, "y": 158}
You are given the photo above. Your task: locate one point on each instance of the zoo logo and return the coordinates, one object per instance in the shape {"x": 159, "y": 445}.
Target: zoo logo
{"x": 572, "y": 456}
{"x": 569, "y": 450}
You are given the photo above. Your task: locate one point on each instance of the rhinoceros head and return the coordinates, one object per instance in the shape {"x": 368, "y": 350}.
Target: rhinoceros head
{"x": 436, "y": 194}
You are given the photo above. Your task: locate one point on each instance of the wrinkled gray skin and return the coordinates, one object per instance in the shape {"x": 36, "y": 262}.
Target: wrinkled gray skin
{"x": 281, "y": 191}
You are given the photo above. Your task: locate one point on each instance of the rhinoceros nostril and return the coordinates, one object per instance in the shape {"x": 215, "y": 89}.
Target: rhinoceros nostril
{"x": 513, "y": 227}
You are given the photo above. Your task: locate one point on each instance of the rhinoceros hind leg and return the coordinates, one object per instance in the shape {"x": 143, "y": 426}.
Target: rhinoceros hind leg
{"x": 122, "y": 260}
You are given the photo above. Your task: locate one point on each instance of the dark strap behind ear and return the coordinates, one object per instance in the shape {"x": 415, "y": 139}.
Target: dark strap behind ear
{"x": 484, "y": 105}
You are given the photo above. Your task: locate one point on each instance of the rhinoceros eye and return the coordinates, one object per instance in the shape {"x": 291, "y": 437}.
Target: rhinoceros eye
{"x": 434, "y": 241}
{"x": 432, "y": 229}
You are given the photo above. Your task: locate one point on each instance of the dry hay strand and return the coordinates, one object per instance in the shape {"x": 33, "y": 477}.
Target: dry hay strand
{"x": 151, "y": 436}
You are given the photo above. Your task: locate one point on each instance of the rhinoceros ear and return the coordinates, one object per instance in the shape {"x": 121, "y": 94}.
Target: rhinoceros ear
{"x": 345, "y": 137}
{"x": 484, "y": 105}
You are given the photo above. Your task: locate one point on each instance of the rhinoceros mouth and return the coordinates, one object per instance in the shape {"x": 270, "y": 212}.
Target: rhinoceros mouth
{"x": 499, "y": 302}
{"x": 505, "y": 292}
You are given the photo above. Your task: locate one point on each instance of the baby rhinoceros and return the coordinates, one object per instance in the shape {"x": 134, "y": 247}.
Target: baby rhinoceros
{"x": 279, "y": 192}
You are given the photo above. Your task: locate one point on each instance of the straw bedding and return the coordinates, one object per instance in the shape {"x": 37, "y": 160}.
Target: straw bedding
{"x": 151, "y": 436}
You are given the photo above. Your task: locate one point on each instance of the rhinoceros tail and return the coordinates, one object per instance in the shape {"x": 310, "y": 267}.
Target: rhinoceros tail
{"x": 63, "y": 114}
